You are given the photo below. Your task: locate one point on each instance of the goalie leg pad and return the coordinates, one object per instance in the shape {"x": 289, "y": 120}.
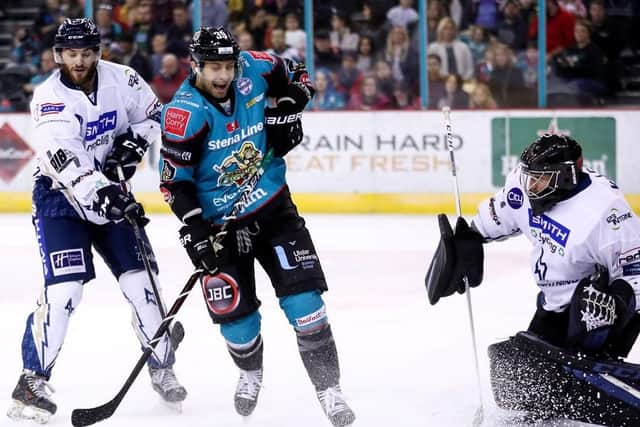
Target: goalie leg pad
{"x": 528, "y": 374}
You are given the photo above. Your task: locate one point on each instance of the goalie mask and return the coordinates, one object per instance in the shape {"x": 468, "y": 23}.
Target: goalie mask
{"x": 549, "y": 170}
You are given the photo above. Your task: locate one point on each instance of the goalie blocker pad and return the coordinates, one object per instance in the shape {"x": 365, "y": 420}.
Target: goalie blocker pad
{"x": 458, "y": 255}
{"x": 547, "y": 382}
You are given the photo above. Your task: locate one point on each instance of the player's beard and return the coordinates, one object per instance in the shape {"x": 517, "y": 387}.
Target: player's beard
{"x": 80, "y": 77}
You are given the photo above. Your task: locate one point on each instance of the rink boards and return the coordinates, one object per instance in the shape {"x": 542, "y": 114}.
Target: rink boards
{"x": 391, "y": 162}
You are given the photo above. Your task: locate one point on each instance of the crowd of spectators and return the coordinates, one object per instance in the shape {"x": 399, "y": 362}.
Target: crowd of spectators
{"x": 481, "y": 54}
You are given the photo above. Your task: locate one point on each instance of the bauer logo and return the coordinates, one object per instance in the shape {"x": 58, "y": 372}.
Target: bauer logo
{"x": 176, "y": 121}
{"x": 67, "y": 262}
{"x": 15, "y": 153}
{"x": 556, "y": 231}
{"x": 515, "y": 198}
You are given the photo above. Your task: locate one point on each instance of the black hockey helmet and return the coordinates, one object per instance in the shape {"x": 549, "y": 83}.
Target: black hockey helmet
{"x": 213, "y": 44}
{"x": 549, "y": 170}
{"x": 79, "y": 33}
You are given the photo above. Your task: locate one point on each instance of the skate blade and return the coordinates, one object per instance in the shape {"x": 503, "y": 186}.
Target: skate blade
{"x": 174, "y": 406}
{"x": 19, "y": 411}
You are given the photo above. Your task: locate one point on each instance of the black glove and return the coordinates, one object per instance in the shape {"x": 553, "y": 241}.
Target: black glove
{"x": 197, "y": 238}
{"x": 284, "y": 130}
{"x": 299, "y": 92}
{"x": 128, "y": 150}
{"x": 114, "y": 205}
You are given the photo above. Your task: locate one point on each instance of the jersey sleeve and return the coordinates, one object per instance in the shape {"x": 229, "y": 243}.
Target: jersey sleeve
{"x": 495, "y": 218}
{"x": 59, "y": 138}
{"x": 184, "y": 133}
{"x": 617, "y": 245}
{"x": 142, "y": 105}
{"x": 278, "y": 72}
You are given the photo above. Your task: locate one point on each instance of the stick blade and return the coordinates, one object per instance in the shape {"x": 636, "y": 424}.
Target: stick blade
{"x": 89, "y": 416}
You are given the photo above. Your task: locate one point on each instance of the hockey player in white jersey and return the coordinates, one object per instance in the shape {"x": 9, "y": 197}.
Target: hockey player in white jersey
{"x": 90, "y": 118}
{"x": 586, "y": 262}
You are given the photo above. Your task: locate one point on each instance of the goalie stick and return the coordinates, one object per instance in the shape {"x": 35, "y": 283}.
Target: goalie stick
{"x": 89, "y": 416}
{"x": 479, "y": 414}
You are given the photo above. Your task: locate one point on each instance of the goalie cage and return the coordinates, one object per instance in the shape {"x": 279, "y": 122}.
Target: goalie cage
{"x": 546, "y": 382}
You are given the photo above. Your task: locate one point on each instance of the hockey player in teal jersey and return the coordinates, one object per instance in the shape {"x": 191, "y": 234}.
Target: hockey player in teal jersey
{"x": 216, "y": 131}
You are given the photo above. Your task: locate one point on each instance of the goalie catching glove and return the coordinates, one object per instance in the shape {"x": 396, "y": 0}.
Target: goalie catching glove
{"x": 458, "y": 255}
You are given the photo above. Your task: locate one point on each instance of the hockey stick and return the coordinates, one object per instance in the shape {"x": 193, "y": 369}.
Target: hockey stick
{"x": 140, "y": 243}
{"x": 479, "y": 415}
{"x": 89, "y": 416}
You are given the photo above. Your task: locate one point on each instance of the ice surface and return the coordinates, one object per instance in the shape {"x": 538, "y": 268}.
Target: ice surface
{"x": 404, "y": 363}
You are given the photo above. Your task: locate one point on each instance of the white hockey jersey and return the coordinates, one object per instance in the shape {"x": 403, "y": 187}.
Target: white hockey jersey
{"x": 74, "y": 132}
{"x": 595, "y": 227}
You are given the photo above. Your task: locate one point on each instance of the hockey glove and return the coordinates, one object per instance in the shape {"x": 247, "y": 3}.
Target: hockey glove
{"x": 298, "y": 92}
{"x": 128, "y": 150}
{"x": 116, "y": 205}
{"x": 197, "y": 237}
{"x": 284, "y": 130}
{"x": 457, "y": 256}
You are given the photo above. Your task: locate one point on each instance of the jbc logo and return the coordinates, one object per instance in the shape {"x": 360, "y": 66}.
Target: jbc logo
{"x": 220, "y": 294}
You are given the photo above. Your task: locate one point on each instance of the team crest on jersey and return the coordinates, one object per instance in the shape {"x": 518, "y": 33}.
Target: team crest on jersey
{"x": 244, "y": 85}
{"x": 176, "y": 121}
{"x": 515, "y": 198}
{"x": 239, "y": 166}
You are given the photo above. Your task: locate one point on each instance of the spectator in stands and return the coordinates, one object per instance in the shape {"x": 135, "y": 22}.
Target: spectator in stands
{"x": 528, "y": 63}
{"x": 623, "y": 13}
{"x": 215, "y": 13}
{"x": 179, "y": 33}
{"x": 326, "y": 97}
{"x": 435, "y": 80}
{"x": 581, "y": 67}
{"x": 576, "y": 7}
{"x": 403, "y": 98}
{"x": 258, "y": 27}
{"x": 365, "y": 54}
{"x": 47, "y": 67}
{"x": 294, "y": 35}
{"x": 606, "y": 36}
{"x": 560, "y": 25}
{"x": 324, "y": 55}
{"x": 370, "y": 22}
{"x": 435, "y": 13}
{"x": 25, "y": 49}
{"x": 342, "y": 39}
{"x": 455, "y": 55}
{"x": 454, "y": 97}
{"x": 397, "y": 52}
{"x": 349, "y": 75}
{"x": 166, "y": 83}
{"x": 481, "y": 98}
{"x": 50, "y": 16}
{"x": 144, "y": 28}
{"x": 476, "y": 39}
{"x": 122, "y": 12}
{"x": 384, "y": 77}
{"x": 279, "y": 8}
{"x": 159, "y": 49}
{"x": 132, "y": 57}
{"x": 512, "y": 29}
{"x": 486, "y": 14}
{"x": 104, "y": 21}
{"x": 369, "y": 98}
{"x": 506, "y": 80}
{"x": 245, "y": 40}
{"x": 484, "y": 67}
{"x": 403, "y": 15}
{"x": 279, "y": 45}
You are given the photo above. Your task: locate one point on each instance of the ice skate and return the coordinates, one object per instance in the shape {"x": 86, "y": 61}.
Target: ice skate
{"x": 335, "y": 407}
{"x": 164, "y": 381}
{"x": 32, "y": 399}
{"x": 246, "y": 397}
